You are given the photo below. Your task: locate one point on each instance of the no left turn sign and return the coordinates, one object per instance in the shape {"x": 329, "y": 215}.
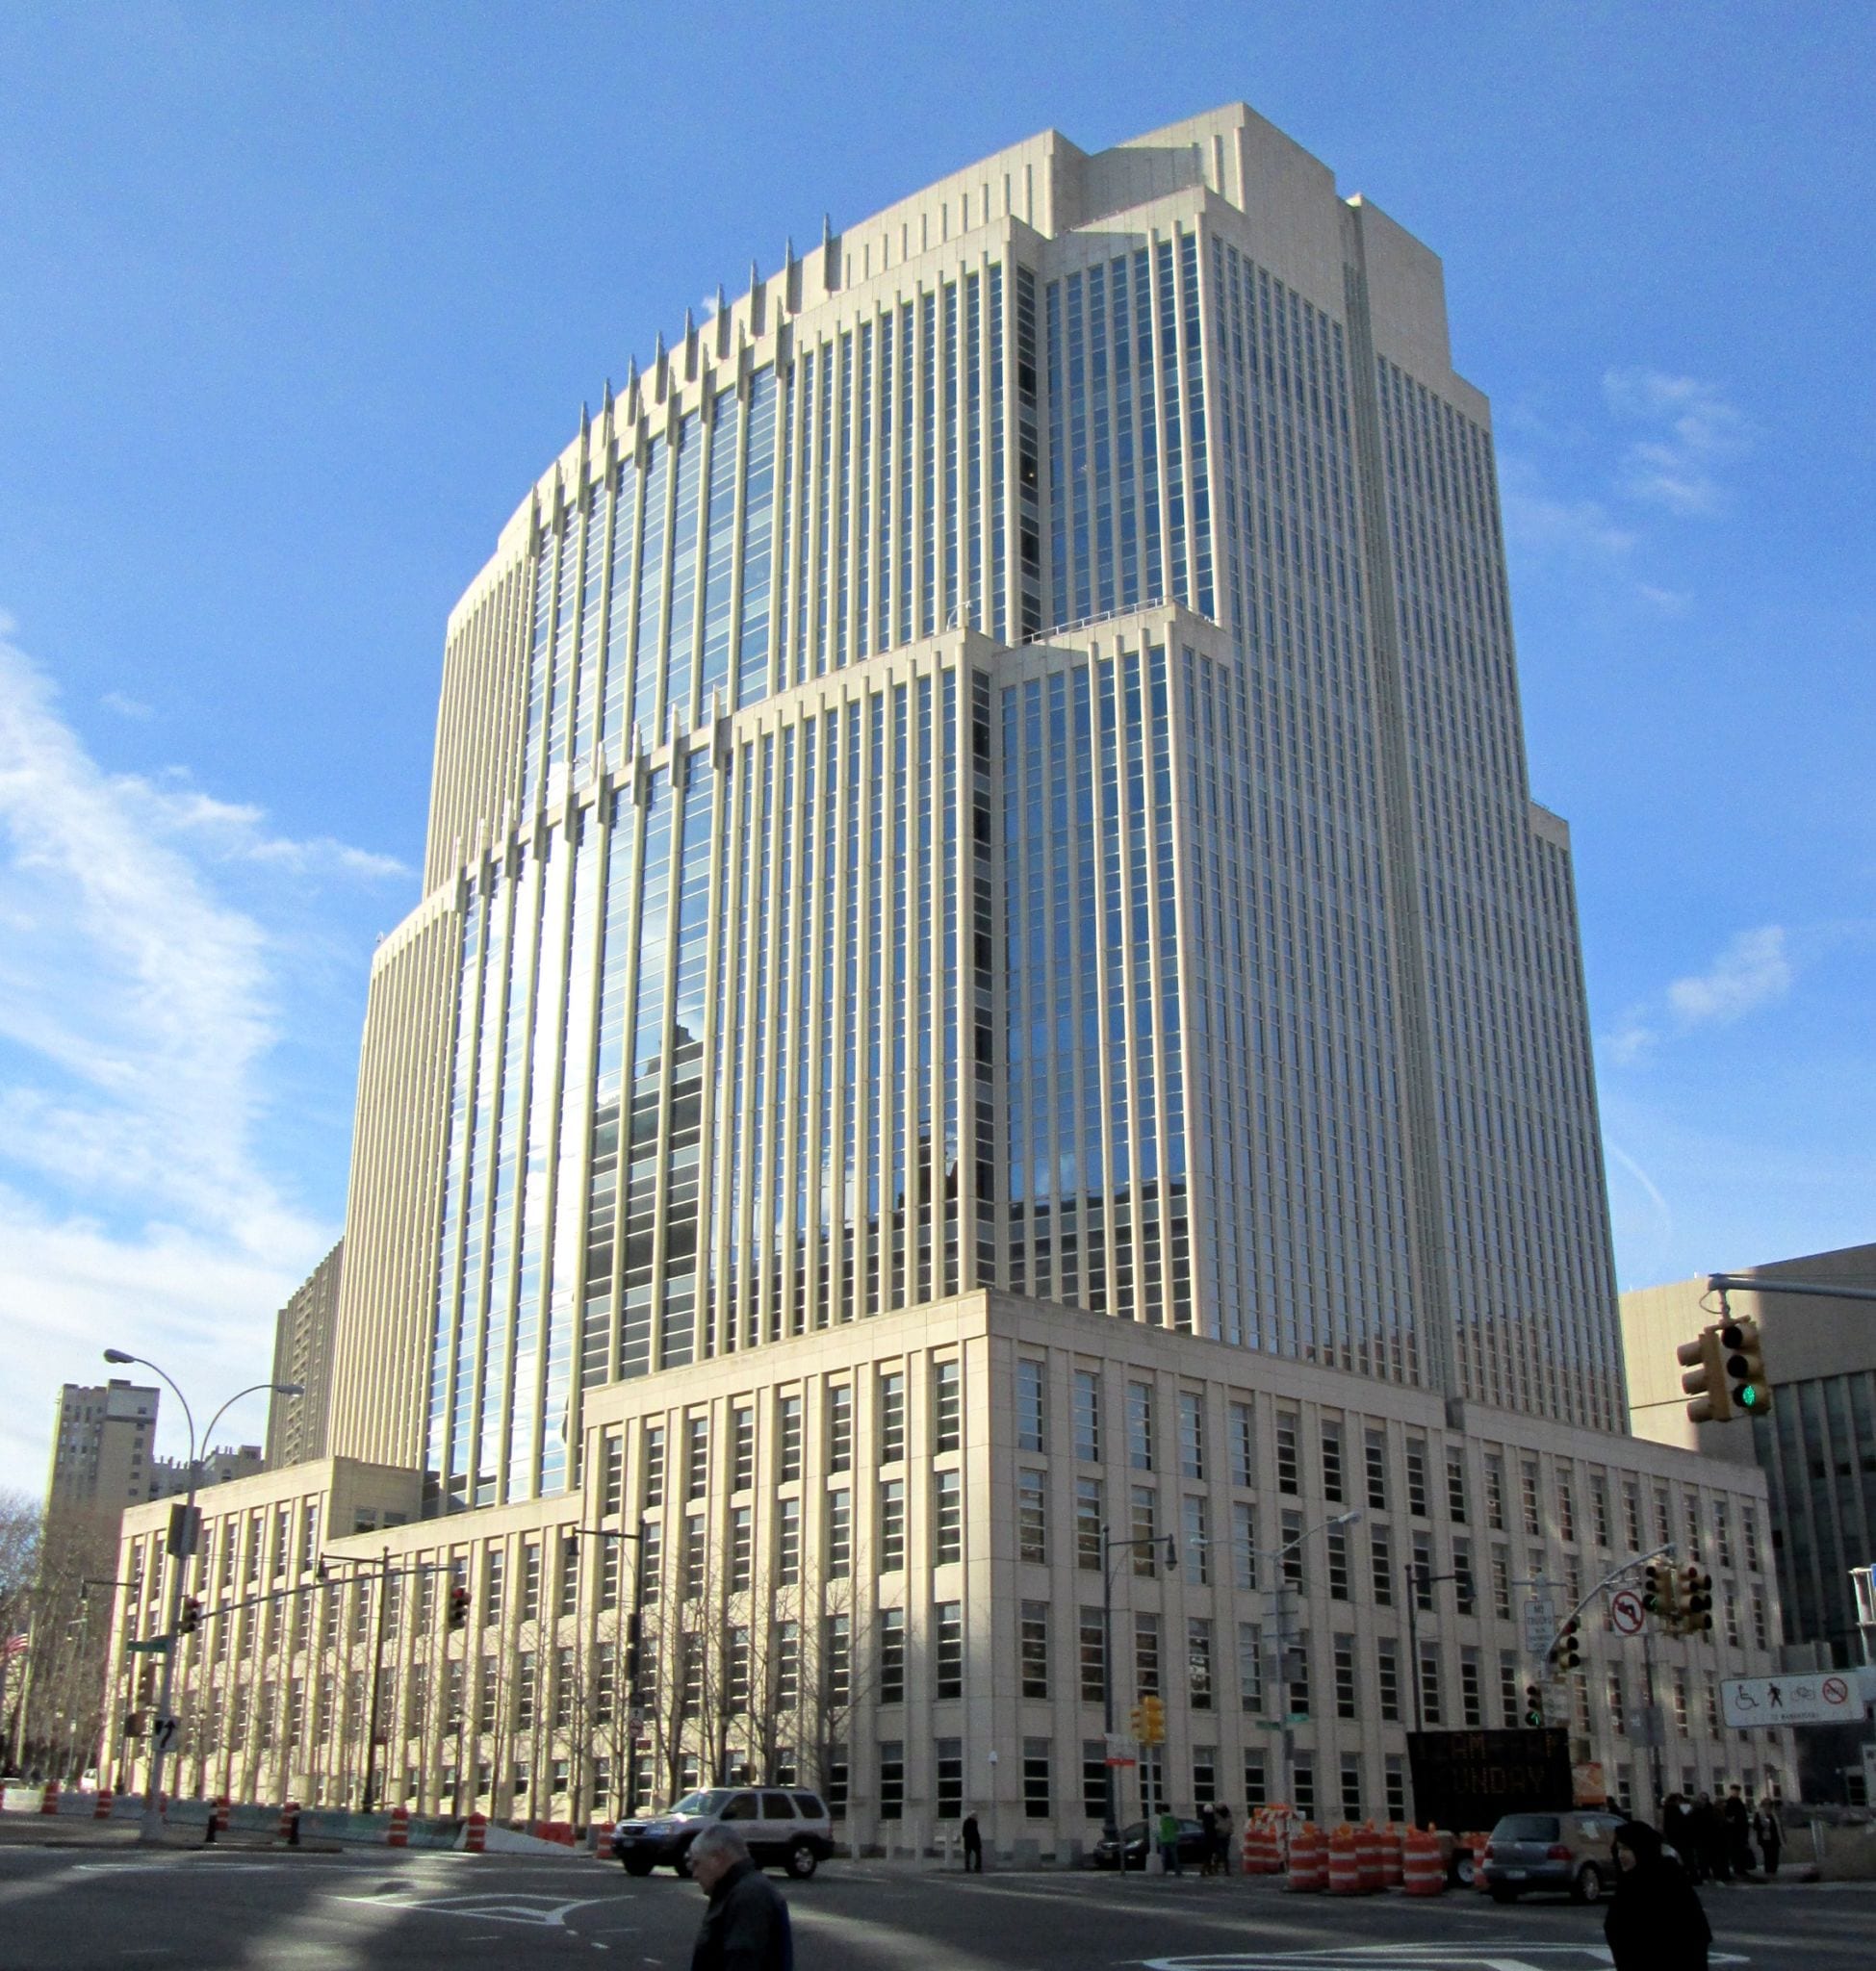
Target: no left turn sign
{"x": 1626, "y": 1612}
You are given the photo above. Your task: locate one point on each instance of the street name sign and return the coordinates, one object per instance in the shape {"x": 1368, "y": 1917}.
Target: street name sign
{"x": 1750, "y": 1703}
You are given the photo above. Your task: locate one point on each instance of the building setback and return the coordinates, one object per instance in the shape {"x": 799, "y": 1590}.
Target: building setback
{"x": 979, "y": 805}
{"x": 303, "y": 1334}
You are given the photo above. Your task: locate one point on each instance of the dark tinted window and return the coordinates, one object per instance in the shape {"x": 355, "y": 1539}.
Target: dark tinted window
{"x": 1526, "y": 1827}
{"x": 777, "y": 1807}
{"x": 740, "y": 1808}
{"x": 811, "y": 1807}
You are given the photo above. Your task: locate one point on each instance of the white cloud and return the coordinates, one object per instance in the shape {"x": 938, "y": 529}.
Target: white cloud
{"x": 1753, "y": 971}
{"x": 1538, "y": 520}
{"x": 140, "y": 1009}
{"x": 126, "y": 708}
{"x": 1692, "y": 432}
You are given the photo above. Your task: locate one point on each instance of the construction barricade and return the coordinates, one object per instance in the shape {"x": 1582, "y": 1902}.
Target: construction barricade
{"x": 1309, "y": 1869}
{"x": 475, "y": 1835}
{"x": 1392, "y": 1837}
{"x": 1344, "y": 1863}
{"x": 1370, "y": 1846}
{"x": 49, "y": 1798}
{"x": 101, "y": 1809}
{"x": 1422, "y": 1869}
{"x": 398, "y": 1833}
{"x": 1263, "y": 1845}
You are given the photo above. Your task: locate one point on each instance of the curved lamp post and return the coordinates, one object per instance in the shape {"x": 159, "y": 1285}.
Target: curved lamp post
{"x": 179, "y": 1551}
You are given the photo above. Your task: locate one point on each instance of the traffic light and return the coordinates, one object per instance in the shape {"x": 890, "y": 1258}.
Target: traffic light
{"x": 1705, "y": 1380}
{"x": 1136, "y": 1723}
{"x": 1744, "y": 1361}
{"x": 1662, "y": 1595}
{"x": 1533, "y": 1703}
{"x": 1566, "y": 1653}
{"x": 458, "y": 1605}
{"x": 1696, "y": 1601}
{"x": 191, "y": 1619}
{"x": 133, "y": 1723}
{"x": 1152, "y": 1720}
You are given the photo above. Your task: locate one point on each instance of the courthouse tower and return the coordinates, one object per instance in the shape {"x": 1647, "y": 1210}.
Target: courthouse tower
{"x": 990, "y": 991}
{"x": 995, "y": 760}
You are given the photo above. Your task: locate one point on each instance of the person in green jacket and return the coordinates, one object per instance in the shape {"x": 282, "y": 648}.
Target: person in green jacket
{"x": 1170, "y": 1841}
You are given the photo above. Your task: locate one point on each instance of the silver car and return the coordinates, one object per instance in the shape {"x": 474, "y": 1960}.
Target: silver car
{"x": 1573, "y": 1853}
{"x": 784, "y": 1827}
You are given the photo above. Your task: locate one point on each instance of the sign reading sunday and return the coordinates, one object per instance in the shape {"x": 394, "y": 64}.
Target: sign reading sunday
{"x": 1749, "y": 1702}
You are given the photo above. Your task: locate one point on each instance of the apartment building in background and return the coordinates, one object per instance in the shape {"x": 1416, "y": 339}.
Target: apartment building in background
{"x": 303, "y": 1334}
{"x": 103, "y": 1448}
{"x": 990, "y": 988}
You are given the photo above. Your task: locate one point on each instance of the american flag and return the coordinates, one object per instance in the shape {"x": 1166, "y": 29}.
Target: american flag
{"x": 15, "y": 1646}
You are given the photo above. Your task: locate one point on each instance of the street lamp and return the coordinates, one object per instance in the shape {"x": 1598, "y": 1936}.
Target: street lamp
{"x": 181, "y": 1544}
{"x": 1287, "y": 1743}
{"x": 1111, "y": 1826}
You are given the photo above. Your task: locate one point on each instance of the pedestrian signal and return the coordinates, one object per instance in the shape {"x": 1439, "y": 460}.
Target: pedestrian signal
{"x": 1744, "y": 1361}
{"x": 1566, "y": 1653}
{"x": 1705, "y": 1380}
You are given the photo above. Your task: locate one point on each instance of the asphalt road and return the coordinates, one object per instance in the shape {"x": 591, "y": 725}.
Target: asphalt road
{"x": 71, "y": 1910}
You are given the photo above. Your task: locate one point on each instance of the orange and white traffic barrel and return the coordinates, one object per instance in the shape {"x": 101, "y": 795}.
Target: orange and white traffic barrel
{"x": 1422, "y": 1872}
{"x": 1309, "y": 1871}
{"x": 475, "y": 1835}
{"x": 1345, "y": 1864}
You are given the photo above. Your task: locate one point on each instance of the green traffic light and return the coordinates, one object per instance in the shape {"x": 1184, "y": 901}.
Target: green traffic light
{"x": 1749, "y": 1398}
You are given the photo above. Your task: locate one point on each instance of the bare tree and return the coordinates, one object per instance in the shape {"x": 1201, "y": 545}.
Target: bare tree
{"x": 54, "y": 1588}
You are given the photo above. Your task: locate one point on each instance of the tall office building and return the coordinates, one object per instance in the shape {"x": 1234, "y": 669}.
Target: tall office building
{"x": 103, "y": 1448}
{"x": 995, "y": 760}
{"x": 989, "y": 989}
{"x": 303, "y": 1334}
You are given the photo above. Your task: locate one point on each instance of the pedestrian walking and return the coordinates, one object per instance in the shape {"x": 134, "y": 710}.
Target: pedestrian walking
{"x": 1709, "y": 1837}
{"x": 1207, "y": 1840}
{"x": 1655, "y": 1921}
{"x": 1768, "y": 1830}
{"x": 973, "y": 1845}
{"x": 746, "y": 1926}
{"x": 1739, "y": 1832}
{"x": 1169, "y": 1842}
{"x": 1223, "y": 1840}
{"x": 1677, "y": 1832}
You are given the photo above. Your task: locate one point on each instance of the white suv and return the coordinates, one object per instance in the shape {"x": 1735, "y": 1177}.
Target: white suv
{"x": 783, "y": 1828}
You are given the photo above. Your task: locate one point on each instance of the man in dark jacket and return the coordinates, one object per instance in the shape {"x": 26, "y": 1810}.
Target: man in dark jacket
{"x": 746, "y": 1926}
{"x": 1655, "y": 1921}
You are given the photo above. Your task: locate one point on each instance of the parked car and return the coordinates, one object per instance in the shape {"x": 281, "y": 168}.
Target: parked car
{"x": 1569, "y": 1851}
{"x": 1132, "y": 1844}
{"x": 784, "y": 1827}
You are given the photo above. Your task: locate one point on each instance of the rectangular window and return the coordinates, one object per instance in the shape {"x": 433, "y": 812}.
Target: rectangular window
{"x": 1387, "y": 1677}
{"x": 1395, "y": 1777}
{"x": 892, "y": 1416}
{"x": 1195, "y": 1540}
{"x": 1337, "y": 1538}
{"x": 1527, "y": 1488}
{"x": 1250, "y": 1666}
{"x": 1293, "y": 1549}
{"x": 1511, "y": 1714}
{"x": 787, "y": 1464}
{"x": 742, "y": 1430}
{"x": 841, "y": 1531}
{"x": 1599, "y": 1507}
{"x": 1566, "y": 1507}
{"x": 697, "y": 1456}
{"x": 947, "y": 1407}
{"x": 949, "y": 1774}
{"x": 1093, "y": 1778}
{"x": 1295, "y": 1675}
{"x": 696, "y": 1550}
{"x": 893, "y": 1779}
{"x": 1332, "y": 1479}
{"x": 1029, "y": 1405}
{"x": 891, "y": 1656}
{"x": 1143, "y": 1530}
{"x": 1087, "y": 1416}
{"x": 1244, "y": 1543}
{"x": 1495, "y": 1492}
{"x": 1257, "y": 1788}
{"x": 651, "y": 1555}
{"x": 1429, "y": 1684}
{"x": 1139, "y": 1426}
{"x": 1472, "y": 1693}
{"x": 1422, "y": 1572}
{"x": 892, "y": 1525}
{"x": 1243, "y": 1447}
{"x": 1456, "y": 1487}
{"x": 1204, "y": 1775}
{"x": 1089, "y": 1516}
{"x": 788, "y": 1543}
{"x": 1091, "y": 1635}
{"x": 1147, "y": 1655}
{"x": 1035, "y": 1797}
{"x": 1417, "y": 1477}
{"x": 653, "y": 1458}
{"x": 1191, "y": 1435}
{"x": 1032, "y": 1517}
{"x": 1352, "y": 1786}
{"x": 1198, "y": 1662}
{"x": 1032, "y": 1649}
{"x": 841, "y": 1427}
{"x": 742, "y": 1550}
{"x": 570, "y": 1575}
{"x": 1289, "y": 1470}
{"x": 1465, "y": 1588}
{"x": 949, "y": 1522}
{"x": 948, "y": 1657}
{"x": 1374, "y": 1452}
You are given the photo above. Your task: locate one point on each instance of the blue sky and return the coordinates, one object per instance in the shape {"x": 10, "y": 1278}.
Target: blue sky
{"x": 298, "y": 299}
